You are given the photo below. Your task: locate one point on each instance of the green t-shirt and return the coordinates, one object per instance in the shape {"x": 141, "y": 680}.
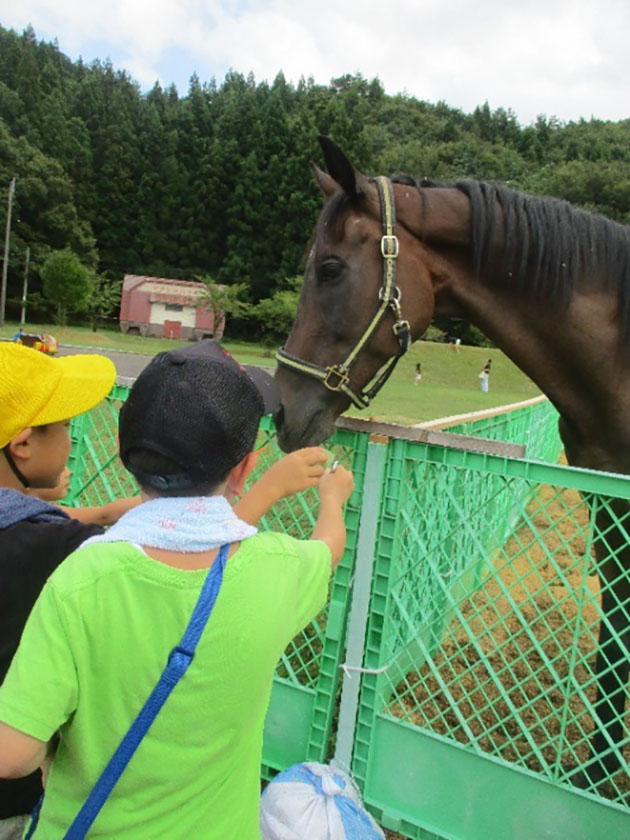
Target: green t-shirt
{"x": 93, "y": 649}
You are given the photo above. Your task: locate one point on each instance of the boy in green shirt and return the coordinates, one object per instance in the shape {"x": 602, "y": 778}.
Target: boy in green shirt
{"x": 101, "y": 631}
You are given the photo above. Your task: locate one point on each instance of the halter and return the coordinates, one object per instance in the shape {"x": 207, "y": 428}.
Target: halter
{"x": 337, "y": 377}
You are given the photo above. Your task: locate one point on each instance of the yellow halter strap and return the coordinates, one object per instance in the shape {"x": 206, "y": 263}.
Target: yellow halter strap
{"x": 337, "y": 377}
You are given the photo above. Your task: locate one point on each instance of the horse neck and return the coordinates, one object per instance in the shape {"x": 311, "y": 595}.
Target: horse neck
{"x": 558, "y": 349}
{"x": 436, "y": 215}
{"x": 439, "y": 219}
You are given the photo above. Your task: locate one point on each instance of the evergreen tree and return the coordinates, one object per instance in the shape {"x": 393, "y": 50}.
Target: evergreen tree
{"x": 44, "y": 212}
{"x": 66, "y": 284}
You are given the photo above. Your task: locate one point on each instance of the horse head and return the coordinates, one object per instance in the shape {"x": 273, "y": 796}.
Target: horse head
{"x": 367, "y": 293}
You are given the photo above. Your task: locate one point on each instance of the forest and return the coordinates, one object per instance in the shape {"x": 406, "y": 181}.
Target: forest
{"x": 216, "y": 183}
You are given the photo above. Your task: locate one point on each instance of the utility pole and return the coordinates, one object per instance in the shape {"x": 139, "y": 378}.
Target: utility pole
{"x": 25, "y": 288}
{"x": 5, "y": 263}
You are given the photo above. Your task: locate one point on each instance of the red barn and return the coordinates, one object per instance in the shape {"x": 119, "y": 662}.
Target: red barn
{"x": 166, "y": 308}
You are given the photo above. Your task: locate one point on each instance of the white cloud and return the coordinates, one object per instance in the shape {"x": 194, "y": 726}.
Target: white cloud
{"x": 562, "y": 57}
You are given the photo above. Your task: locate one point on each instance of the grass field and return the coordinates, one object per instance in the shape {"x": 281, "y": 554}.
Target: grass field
{"x": 450, "y": 383}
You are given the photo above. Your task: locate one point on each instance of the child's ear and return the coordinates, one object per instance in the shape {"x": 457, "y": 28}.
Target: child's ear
{"x": 20, "y": 445}
{"x": 240, "y": 473}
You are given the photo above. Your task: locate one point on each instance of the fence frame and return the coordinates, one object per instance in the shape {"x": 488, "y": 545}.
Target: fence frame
{"x": 411, "y": 778}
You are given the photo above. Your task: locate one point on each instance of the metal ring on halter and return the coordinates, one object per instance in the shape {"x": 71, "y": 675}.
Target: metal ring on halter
{"x": 395, "y": 295}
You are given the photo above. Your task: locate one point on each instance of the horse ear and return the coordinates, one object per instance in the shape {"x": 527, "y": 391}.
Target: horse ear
{"x": 343, "y": 173}
{"x": 326, "y": 184}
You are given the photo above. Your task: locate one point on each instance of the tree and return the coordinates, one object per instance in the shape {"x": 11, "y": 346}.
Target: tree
{"x": 103, "y": 296}
{"x": 66, "y": 284}
{"x": 276, "y": 314}
{"x": 45, "y": 215}
{"x": 222, "y": 301}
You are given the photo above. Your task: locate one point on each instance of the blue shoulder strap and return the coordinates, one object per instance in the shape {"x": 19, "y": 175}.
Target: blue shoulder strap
{"x": 178, "y": 661}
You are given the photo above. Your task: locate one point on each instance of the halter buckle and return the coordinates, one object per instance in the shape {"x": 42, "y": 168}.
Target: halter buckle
{"x": 342, "y": 378}
{"x": 389, "y": 247}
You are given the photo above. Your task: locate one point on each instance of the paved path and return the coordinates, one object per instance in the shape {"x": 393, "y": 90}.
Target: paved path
{"x": 128, "y": 365}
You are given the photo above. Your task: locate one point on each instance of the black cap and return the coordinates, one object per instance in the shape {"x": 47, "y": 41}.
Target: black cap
{"x": 198, "y": 407}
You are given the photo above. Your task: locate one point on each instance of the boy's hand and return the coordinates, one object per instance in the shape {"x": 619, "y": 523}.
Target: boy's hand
{"x": 293, "y": 473}
{"x": 337, "y": 484}
{"x": 63, "y": 485}
{"x": 297, "y": 471}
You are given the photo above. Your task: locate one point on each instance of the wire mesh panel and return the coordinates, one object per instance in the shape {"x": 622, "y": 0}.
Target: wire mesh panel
{"x": 299, "y": 721}
{"x": 98, "y": 475}
{"x": 536, "y": 426}
{"x": 499, "y": 672}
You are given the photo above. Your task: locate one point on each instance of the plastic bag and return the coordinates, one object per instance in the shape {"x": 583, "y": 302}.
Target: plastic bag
{"x": 315, "y": 801}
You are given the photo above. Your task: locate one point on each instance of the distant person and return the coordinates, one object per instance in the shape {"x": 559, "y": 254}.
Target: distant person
{"x": 418, "y": 375}
{"x": 484, "y": 376}
{"x": 458, "y": 345}
{"x": 18, "y": 336}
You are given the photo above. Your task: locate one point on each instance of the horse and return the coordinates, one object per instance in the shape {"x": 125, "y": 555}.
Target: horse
{"x": 549, "y": 284}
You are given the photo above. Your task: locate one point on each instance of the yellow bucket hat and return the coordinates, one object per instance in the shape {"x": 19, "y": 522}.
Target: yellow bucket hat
{"x": 35, "y": 389}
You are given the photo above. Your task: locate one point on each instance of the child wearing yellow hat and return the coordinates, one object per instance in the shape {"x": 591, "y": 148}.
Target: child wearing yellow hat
{"x": 38, "y": 398}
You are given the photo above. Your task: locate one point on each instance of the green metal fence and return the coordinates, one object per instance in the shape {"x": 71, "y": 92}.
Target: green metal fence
{"x": 465, "y": 616}
{"x": 535, "y": 426}
{"x": 299, "y": 721}
{"x": 479, "y": 701}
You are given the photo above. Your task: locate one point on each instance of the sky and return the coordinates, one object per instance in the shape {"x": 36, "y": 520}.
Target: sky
{"x": 562, "y": 58}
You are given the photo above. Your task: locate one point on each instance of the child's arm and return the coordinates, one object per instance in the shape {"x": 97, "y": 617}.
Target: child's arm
{"x": 292, "y": 474}
{"x": 335, "y": 489}
{"x": 104, "y": 514}
{"x": 20, "y": 754}
{"x": 99, "y": 515}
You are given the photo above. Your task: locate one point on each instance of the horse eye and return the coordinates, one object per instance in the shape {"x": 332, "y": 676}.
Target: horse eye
{"x": 330, "y": 270}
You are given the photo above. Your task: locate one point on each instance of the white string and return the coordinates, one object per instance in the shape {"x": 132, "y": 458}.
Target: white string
{"x": 347, "y": 668}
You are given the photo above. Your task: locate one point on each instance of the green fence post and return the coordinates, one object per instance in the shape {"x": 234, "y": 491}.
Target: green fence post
{"x": 359, "y": 607}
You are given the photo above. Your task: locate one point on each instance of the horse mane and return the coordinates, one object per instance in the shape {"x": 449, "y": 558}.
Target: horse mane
{"x": 549, "y": 246}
